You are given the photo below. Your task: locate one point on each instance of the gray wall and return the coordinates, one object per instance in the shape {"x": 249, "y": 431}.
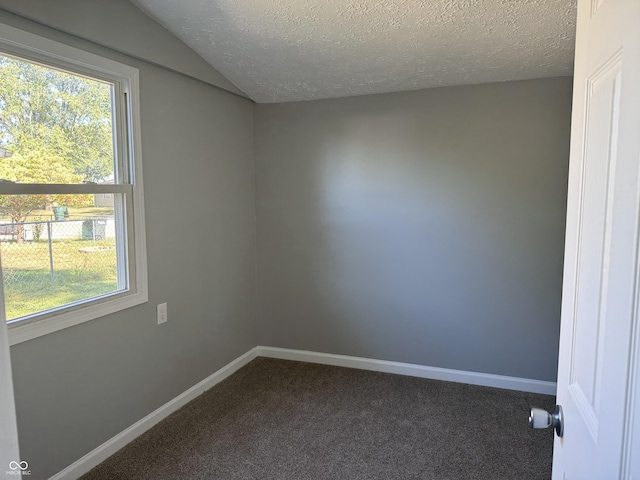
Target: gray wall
{"x": 423, "y": 227}
{"x": 78, "y": 387}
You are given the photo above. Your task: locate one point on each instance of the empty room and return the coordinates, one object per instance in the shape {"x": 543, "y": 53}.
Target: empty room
{"x": 320, "y": 239}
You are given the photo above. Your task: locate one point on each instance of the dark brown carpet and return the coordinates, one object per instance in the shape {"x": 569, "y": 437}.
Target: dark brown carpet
{"x": 277, "y": 419}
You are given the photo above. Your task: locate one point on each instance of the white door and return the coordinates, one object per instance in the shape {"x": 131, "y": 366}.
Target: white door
{"x": 600, "y": 328}
{"x": 9, "y": 458}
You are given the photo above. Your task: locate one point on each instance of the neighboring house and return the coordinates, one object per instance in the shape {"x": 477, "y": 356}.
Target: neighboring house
{"x": 103, "y": 200}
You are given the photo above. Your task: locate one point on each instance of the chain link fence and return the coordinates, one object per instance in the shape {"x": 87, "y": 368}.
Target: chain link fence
{"x": 47, "y": 264}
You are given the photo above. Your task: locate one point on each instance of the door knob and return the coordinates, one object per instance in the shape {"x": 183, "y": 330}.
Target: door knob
{"x": 539, "y": 418}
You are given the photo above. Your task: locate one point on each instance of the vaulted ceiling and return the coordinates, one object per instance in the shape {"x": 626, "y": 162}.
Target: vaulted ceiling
{"x": 287, "y": 50}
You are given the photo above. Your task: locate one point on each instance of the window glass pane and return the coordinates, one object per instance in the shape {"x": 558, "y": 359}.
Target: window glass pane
{"x": 64, "y": 251}
{"x": 55, "y": 126}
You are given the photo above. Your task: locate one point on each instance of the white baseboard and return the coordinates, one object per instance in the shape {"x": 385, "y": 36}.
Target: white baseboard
{"x": 111, "y": 446}
{"x": 435, "y": 373}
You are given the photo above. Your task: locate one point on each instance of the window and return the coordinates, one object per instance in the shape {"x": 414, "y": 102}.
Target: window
{"x": 72, "y": 242}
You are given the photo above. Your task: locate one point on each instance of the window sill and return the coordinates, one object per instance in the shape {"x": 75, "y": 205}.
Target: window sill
{"x": 43, "y": 324}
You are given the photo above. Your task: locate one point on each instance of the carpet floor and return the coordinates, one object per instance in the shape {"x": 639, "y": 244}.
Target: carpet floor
{"x": 277, "y": 419}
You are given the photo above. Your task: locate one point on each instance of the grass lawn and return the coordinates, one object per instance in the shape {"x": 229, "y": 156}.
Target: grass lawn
{"x": 82, "y": 269}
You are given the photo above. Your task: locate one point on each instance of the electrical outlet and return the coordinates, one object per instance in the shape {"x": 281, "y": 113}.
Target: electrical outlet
{"x": 162, "y": 313}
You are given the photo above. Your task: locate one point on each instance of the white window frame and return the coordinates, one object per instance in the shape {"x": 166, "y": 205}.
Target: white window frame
{"x": 127, "y": 120}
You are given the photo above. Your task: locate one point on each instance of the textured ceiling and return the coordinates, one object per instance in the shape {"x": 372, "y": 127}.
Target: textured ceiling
{"x": 286, "y": 50}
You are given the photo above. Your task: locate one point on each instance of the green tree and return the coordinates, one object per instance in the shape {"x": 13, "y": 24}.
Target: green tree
{"x": 38, "y": 166}
{"x": 58, "y": 127}
{"x": 66, "y": 115}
